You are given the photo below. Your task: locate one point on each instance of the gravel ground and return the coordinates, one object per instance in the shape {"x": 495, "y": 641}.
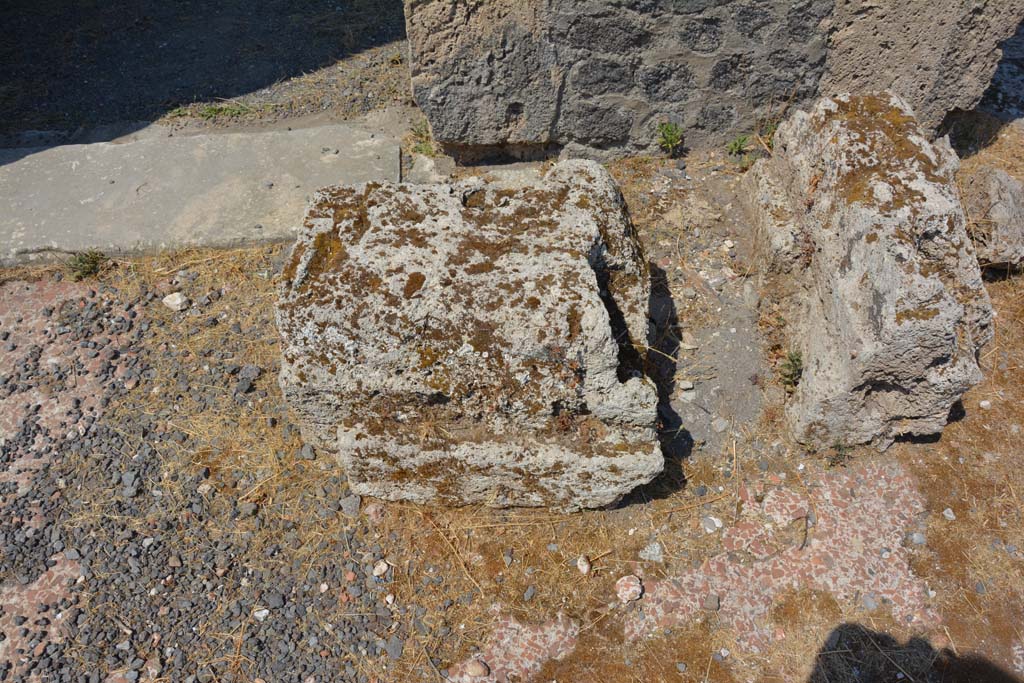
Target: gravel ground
{"x": 131, "y": 548}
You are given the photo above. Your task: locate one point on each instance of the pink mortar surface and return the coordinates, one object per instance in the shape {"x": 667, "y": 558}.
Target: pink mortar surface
{"x": 842, "y": 533}
{"x": 854, "y": 548}
{"x": 516, "y": 652}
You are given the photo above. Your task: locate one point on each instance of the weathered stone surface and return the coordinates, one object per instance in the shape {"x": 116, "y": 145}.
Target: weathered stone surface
{"x": 938, "y": 56}
{"x": 995, "y": 207}
{"x": 594, "y": 77}
{"x": 860, "y": 224}
{"x": 451, "y": 342}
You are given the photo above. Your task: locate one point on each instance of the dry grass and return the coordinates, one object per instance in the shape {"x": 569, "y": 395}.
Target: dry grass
{"x": 466, "y": 546}
{"x": 984, "y": 140}
{"x": 601, "y": 656}
{"x": 231, "y": 437}
{"x": 975, "y": 469}
{"x": 665, "y": 223}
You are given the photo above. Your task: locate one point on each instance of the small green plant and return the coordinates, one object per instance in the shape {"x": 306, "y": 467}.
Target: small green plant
{"x": 226, "y": 109}
{"x": 746, "y": 161}
{"x": 792, "y": 370}
{"x": 670, "y": 138}
{"x": 840, "y": 455}
{"x": 86, "y": 264}
{"x": 738, "y": 146}
{"x": 422, "y": 140}
{"x": 177, "y": 112}
{"x": 767, "y": 134}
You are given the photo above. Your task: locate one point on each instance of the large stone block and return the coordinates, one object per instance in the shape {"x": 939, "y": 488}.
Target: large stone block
{"x": 938, "y": 56}
{"x": 995, "y": 206}
{"x": 474, "y": 343}
{"x": 860, "y": 224}
{"x": 595, "y": 77}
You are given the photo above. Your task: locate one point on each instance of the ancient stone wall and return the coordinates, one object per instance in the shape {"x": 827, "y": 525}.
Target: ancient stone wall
{"x": 594, "y": 77}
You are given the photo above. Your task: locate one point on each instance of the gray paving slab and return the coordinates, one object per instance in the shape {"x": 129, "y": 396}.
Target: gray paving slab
{"x": 158, "y": 193}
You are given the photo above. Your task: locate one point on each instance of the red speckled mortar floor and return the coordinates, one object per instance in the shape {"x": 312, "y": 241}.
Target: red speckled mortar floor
{"x": 851, "y": 543}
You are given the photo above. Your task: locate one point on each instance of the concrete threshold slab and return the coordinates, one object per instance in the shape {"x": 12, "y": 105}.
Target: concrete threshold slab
{"x": 160, "y": 193}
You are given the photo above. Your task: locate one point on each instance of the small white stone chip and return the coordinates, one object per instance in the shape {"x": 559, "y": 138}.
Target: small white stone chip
{"x": 711, "y": 524}
{"x": 176, "y": 301}
{"x": 477, "y": 669}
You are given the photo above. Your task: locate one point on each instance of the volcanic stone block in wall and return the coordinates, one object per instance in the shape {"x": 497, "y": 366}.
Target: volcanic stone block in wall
{"x": 476, "y": 342}
{"x": 938, "y": 56}
{"x": 995, "y": 207}
{"x": 859, "y": 220}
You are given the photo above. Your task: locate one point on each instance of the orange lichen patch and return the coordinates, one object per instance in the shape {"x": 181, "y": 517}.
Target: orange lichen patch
{"x": 293, "y": 262}
{"x": 429, "y": 356}
{"x": 574, "y": 321}
{"x": 917, "y": 314}
{"x": 413, "y": 284}
{"x": 328, "y": 254}
{"x": 480, "y": 268}
{"x": 883, "y": 151}
{"x": 347, "y": 210}
{"x": 482, "y": 338}
{"x": 405, "y": 236}
{"x": 490, "y": 247}
{"x": 476, "y": 200}
{"x": 501, "y": 195}
{"x": 534, "y": 208}
{"x": 405, "y": 212}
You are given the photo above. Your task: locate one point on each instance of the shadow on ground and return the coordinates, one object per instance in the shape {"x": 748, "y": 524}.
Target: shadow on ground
{"x": 73, "y": 63}
{"x": 970, "y": 132}
{"x": 856, "y": 653}
{"x": 660, "y": 364}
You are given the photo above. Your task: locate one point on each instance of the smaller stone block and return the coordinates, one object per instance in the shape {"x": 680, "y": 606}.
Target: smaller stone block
{"x": 863, "y": 235}
{"x": 995, "y": 208}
